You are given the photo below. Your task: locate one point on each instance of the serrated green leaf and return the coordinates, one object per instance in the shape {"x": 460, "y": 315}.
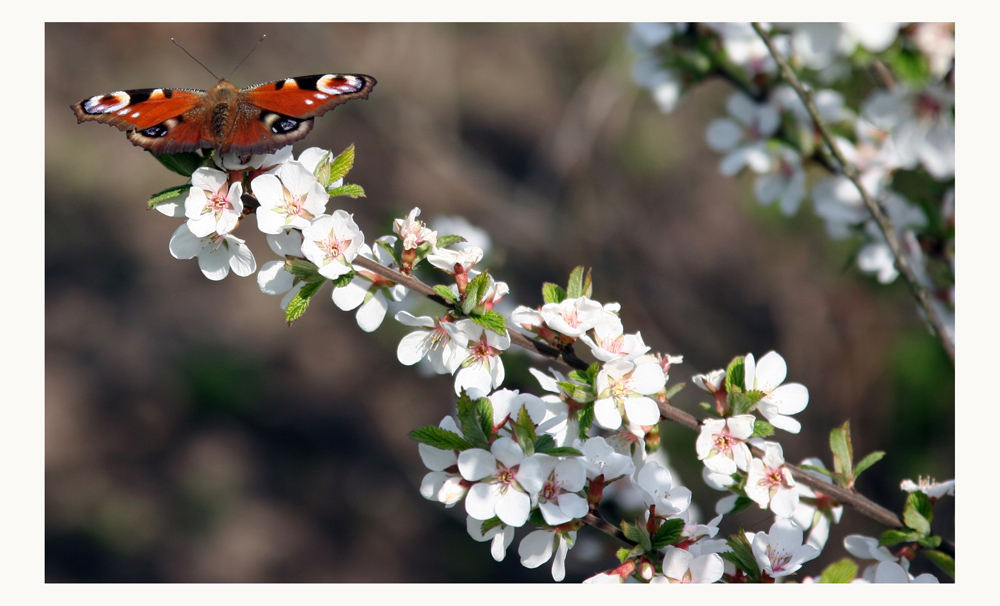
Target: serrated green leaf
{"x": 304, "y": 270}
{"x": 349, "y": 190}
{"x": 740, "y": 403}
{"x": 471, "y": 421}
{"x": 537, "y": 519}
{"x": 585, "y": 421}
{"x": 446, "y": 241}
{"x": 168, "y": 194}
{"x": 553, "y": 293}
{"x": 734, "y": 375}
{"x": 742, "y": 502}
{"x": 869, "y": 460}
{"x": 637, "y": 534}
{"x": 445, "y": 293}
{"x": 843, "y": 453}
{"x": 184, "y": 163}
{"x": 491, "y": 320}
{"x": 914, "y": 516}
{"x": 300, "y": 302}
{"x": 592, "y": 371}
{"x": 841, "y": 571}
{"x": 391, "y": 251}
{"x": 668, "y": 533}
{"x": 524, "y": 431}
{"x": 474, "y": 291}
{"x": 490, "y": 524}
{"x": 343, "y": 280}
{"x": 574, "y": 288}
{"x": 674, "y": 390}
{"x": 341, "y": 165}
{"x": 742, "y": 555}
{"x": 762, "y": 429}
{"x": 560, "y": 451}
{"x": 894, "y": 537}
{"x": 544, "y": 443}
{"x": 484, "y": 408}
{"x": 942, "y": 560}
{"x": 440, "y": 438}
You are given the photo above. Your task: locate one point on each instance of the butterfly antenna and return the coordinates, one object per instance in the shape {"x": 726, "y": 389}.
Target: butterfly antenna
{"x": 195, "y": 60}
{"x": 248, "y": 55}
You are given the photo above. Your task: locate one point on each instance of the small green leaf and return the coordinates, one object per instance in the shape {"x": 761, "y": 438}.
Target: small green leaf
{"x": 762, "y": 429}
{"x": 742, "y": 502}
{"x": 343, "y": 280}
{"x": 544, "y": 443}
{"x": 668, "y": 533}
{"x": 930, "y": 542}
{"x": 490, "y": 524}
{"x": 623, "y": 554}
{"x": 347, "y": 189}
{"x": 300, "y": 302}
{"x": 843, "y": 453}
{"x": 917, "y": 513}
{"x": 491, "y": 320}
{"x": 524, "y": 431}
{"x": 446, "y": 241}
{"x": 475, "y": 291}
{"x": 440, "y": 438}
{"x": 484, "y": 408}
{"x": 184, "y": 163}
{"x": 742, "y": 555}
{"x": 446, "y": 293}
{"x": 168, "y": 194}
{"x": 585, "y": 420}
{"x": 537, "y": 519}
{"x": 734, "y": 375}
{"x": 942, "y": 560}
{"x": 842, "y": 571}
{"x": 867, "y": 462}
{"x": 553, "y": 293}
{"x": 560, "y": 451}
{"x": 471, "y": 421}
{"x": 304, "y": 270}
{"x": 637, "y": 534}
{"x": 341, "y": 165}
{"x": 674, "y": 390}
{"x": 391, "y": 251}
{"x": 894, "y": 537}
{"x": 741, "y": 403}
{"x": 574, "y": 288}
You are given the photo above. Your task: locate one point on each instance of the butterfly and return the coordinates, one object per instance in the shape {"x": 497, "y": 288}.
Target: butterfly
{"x": 257, "y": 119}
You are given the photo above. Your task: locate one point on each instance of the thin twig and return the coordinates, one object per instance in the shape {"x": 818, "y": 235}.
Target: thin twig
{"x": 851, "y": 172}
{"x": 667, "y": 412}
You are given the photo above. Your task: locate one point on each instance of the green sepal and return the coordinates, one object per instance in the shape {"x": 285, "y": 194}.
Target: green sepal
{"x": 339, "y": 167}
{"x": 553, "y": 293}
{"x": 445, "y": 292}
{"x": 637, "y": 534}
{"x": 184, "y": 163}
{"x": 673, "y": 391}
{"x": 742, "y": 555}
{"x": 440, "y": 438}
{"x": 300, "y": 302}
{"x": 491, "y": 320}
{"x": 490, "y": 524}
{"x": 668, "y": 533}
{"x": 166, "y": 195}
{"x": 446, "y": 241}
{"x": 841, "y": 571}
{"x": 869, "y": 460}
{"x": 472, "y": 421}
{"x": 524, "y": 431}
{"x": 578, "y": 285}
{"x": 391, "y": 251}
{"x": 351, "y": 190}
{"x": 735, "y": 379}
{"x": 762, "y": 429}
{"x": 708, "y": 407}
{"x": 942, "y": 560}
{"x": 843, "y": 454}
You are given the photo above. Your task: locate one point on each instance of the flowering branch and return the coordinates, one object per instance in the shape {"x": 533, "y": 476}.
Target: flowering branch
{"x": 851, "y": 172}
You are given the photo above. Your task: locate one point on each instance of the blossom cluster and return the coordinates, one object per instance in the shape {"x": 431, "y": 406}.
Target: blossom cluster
{"x": 900, "y": 136}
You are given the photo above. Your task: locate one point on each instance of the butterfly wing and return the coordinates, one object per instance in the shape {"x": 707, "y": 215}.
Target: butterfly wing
{"x": 162, "y": 120}
{"x": 275, "y": 114}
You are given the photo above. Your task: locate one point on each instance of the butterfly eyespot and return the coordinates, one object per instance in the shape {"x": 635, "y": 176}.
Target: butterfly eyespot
{"x": 284, "y": 125}
{"x": 155, "y": 131}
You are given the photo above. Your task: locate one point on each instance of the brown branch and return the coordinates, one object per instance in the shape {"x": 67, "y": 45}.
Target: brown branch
{"x": 851, "y": 172}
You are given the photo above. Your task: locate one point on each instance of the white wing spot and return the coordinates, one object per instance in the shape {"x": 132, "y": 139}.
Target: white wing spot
{"x": 321, "y": 97}
{"x": 309, "y": 101}
{"x": 135, "y": 114}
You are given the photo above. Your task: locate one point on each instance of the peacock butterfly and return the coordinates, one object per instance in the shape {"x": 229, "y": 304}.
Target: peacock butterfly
{"x": 257, "y": 119}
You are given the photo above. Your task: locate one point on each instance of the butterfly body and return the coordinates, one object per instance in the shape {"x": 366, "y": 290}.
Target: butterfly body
{"x": 253, "y": 120}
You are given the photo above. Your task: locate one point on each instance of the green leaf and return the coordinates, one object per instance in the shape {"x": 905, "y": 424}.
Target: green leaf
{"x": 484, "y": 408}
{"x": 637, "y": 534}
{"x": 869, "y": 460}
{"x": 475, "y": 290}
{"x": 842, "y": 571}
{"x": 623, "y": 554}
{"x": 391, "y": 251}
{"x": 930, "y": 542}
{"x": 734, "y": 375}
{"x": 446, "y": 241}
{"x": 674, "y": 390}
{"x": 574, "y": 288}
{"x": 843, "y": 453}
{"x": 537, "y": 519}
{"x": 742, "y": 555}
{"x": 894, "y": 537}
{"x": 168, "y": 194}
{"x": 491, "y": 320}
{"x": 762, "y": 429}
{"x": 471, "y": 421}
{"x": 942, "y": 560}
{"x": 184, "y": 163}
{"x": 347, "y": 189}
{"x": 553, "y": 293}
{"x": 741, "y": 403}
{"x": 340, "y": 166}
{"x": 742, "y": 502}
{"x": 304, "y": 270}
{"x": 490, "y": 524}
{"x": 440, "y": 438}
{"x": 524, "y": 431}
{"x": 446, "y": 293}
{"x": 917, "y": 513}
{"x": 300, "y": 302}
{"x": 668, "y": 533}
{"x": 544, "y": 443}
{"x": 585, "y": 420}
{"x": 343, "y": 280}
{"x": 560, "y": 451}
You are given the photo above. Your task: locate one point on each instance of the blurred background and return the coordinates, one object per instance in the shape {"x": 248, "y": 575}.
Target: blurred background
{"x": 191, "y": 436}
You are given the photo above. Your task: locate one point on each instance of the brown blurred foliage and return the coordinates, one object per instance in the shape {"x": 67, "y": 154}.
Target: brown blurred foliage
{"x": 192, "y": 436}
